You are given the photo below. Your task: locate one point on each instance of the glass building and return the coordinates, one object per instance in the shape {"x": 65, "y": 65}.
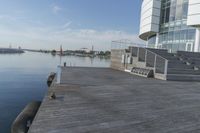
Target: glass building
{"x": 171, "y": 24}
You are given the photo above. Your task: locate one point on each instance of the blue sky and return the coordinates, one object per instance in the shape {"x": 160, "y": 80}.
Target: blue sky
{"x": 75, "y": 24}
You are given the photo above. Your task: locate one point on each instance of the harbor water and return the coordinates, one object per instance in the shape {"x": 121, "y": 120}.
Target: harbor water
{"x": 23, "y": 79}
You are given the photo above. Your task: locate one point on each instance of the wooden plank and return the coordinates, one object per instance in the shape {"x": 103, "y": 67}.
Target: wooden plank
{"x": 102, "y": 100}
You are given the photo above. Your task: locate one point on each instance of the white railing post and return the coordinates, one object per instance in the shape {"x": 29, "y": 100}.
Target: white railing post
{"x": 155, "y": 63}
{"x": 145, "y": 57}
{"x": 58, "y": 79}
{"x": 166, "y": 67}
{"x": 138, "y": 51}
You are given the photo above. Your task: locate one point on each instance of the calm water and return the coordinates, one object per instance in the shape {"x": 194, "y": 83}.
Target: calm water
{"x": 23, "y": 79}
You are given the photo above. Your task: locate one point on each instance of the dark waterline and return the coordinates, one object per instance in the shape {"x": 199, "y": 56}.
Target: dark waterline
{"x": 23, "y": 79}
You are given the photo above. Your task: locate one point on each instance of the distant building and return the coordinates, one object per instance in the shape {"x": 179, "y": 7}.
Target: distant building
{"x": 171, "y": 24}
{"x": 86, "y": 50}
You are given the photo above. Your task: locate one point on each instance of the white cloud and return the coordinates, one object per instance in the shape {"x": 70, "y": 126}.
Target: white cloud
{"x": 66, "y": 25}
{"x": 7, "y": 18}
{"x": 56, "y": 8}
{"x": 52, "y": 38}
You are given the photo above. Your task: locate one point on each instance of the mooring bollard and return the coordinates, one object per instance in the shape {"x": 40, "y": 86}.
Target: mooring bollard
{"x": 51, "y": 78}
{"x": 25, "y": 118}
{"x": 52, "y": 96}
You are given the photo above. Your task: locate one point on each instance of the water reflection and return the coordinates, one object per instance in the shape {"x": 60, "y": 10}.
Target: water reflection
{"x": 23, "y": 79}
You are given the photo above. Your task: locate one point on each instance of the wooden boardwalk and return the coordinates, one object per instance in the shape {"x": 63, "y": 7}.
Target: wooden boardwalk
{"x": 102, "y": 100}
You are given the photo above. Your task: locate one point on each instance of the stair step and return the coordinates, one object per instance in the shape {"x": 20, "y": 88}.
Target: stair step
{"x": 183, "y": 77}
{"x": 180, "y": 66}
{"x": 176, "y": 62}
{"x": 183, "y": 71}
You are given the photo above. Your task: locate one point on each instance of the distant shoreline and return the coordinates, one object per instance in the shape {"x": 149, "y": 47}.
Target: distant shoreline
{"x": 11, "y": 51}
{"x": 80, "y": 53}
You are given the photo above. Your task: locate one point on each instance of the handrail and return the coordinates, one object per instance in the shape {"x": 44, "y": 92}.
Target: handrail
{"x": 165, "y": 67}
{"x": 166, "y": 61}
{"x": 157, "y": 54}
{"x": 125, "y": 41}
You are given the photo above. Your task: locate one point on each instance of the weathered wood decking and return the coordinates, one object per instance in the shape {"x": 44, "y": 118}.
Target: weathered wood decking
{"x": 102, "y": 100}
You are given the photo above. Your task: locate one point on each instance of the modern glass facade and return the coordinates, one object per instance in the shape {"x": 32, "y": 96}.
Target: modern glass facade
{"x": 174, "y": 33}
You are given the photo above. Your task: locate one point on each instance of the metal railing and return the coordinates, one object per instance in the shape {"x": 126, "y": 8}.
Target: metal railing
{"x": 152, "y": 60}
{"x": 134, "y": 51}
{"x": 124, "y": 44}
{"x": 159, "y": 63}
{"x": 142, "y": 54}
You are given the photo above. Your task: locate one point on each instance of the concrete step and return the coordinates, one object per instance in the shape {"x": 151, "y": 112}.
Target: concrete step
{"x": 183, "y": 77}
{"x": 189, "y": 54}
{"x": 157, "y": 50}
{"x": 179, "y": 66}
{"x": 171, "y": 58}
{"x": 165, "y": 54}
{"x": 175, "y": 59}
{"x": 176, "y": 62}
{"x": 183, "y": 71}
{"x": 191, "y": 61}
{"x": 195, "y": 59}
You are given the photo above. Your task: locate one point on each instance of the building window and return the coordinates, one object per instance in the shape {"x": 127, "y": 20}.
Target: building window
{"x": 174, "y": 33}
{"x": 152, "y": 41}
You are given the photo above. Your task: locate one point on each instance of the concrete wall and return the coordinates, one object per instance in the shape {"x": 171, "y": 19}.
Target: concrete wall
{"x": 194, "y": 13}
{"x": 150, "y": 18}
{"x": 116, "y": 59}
{"x": 194, "y": 20}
